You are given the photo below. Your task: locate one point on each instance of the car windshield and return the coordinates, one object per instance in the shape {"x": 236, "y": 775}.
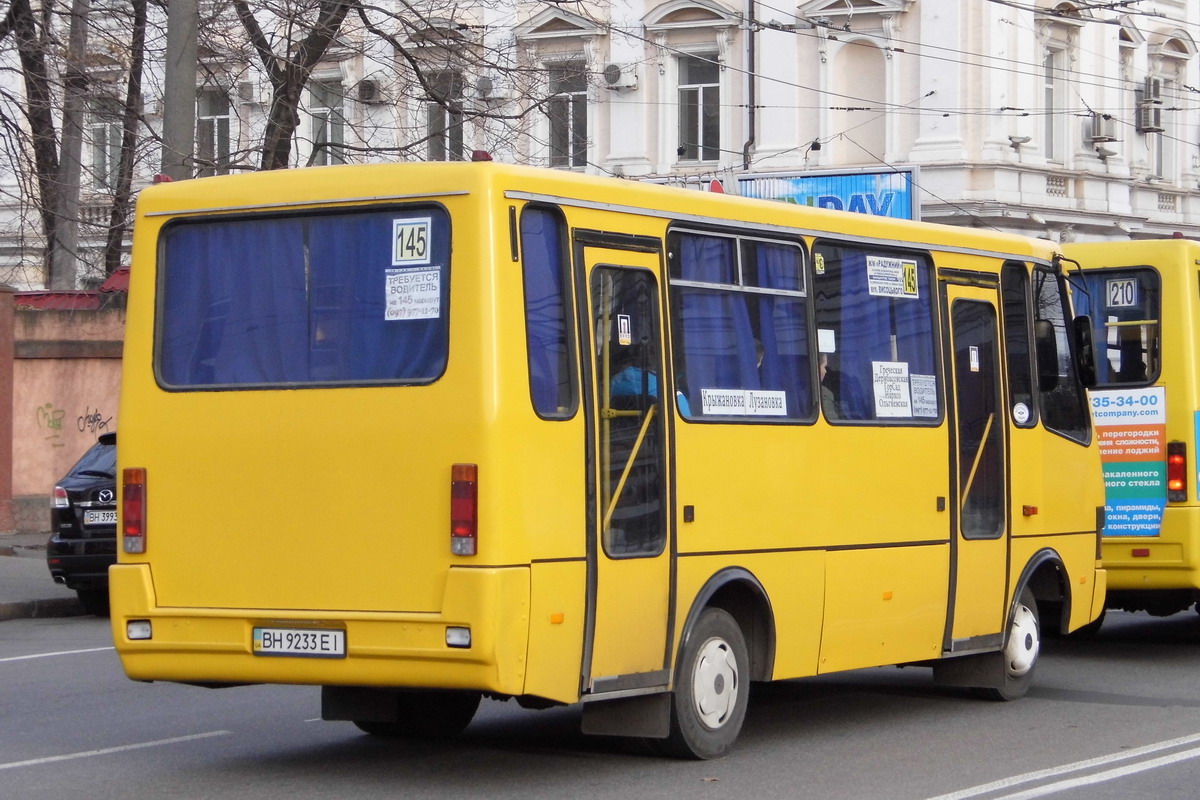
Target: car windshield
{"x": 100, "y": 459}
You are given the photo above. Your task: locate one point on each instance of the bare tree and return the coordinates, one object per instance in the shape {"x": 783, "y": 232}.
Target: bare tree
{"x": 289, "y": 70}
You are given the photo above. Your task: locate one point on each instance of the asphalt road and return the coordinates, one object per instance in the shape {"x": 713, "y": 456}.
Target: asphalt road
{"x": 1115, "y": 717}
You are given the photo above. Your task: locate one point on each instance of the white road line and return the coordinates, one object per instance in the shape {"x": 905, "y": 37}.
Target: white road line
{"x": 34, "y": 762}
{"x": 59, "y": 653}
{"x": 1078, "y": 766}
{"x": 1101, "y": 777}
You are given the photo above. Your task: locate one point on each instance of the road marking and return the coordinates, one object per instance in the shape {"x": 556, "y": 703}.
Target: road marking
{"x": 1078, "y": 766}
{"x": 1101, "y": 777}
{"x": 59, "y": 653}
{"x": 34, "y": 762}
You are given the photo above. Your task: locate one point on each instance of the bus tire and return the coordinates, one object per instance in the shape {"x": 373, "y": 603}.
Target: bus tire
{"x": 437, "y": 714}
{"x": 1020, "y": 653}
{"x": 711, "y": 692}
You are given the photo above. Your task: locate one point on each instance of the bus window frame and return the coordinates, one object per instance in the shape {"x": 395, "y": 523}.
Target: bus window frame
{"x": 1077, "y": 281}
{"x": 1072, "y": 361}
{"x": 209, "y": 217}
{"x": 570, "y": 309}
{"x": 938, "y": 328}
{"x": 674, "y": 331}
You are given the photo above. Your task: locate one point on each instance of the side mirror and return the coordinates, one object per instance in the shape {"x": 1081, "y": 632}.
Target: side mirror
{"x": 1085, "y": 354}
{"x": 1047, "y": 354}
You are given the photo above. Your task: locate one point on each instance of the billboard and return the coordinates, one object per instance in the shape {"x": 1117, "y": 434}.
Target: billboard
{"x": 884, "y": 194}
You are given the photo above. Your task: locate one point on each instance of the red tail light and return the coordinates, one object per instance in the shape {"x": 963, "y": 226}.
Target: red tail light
{"x": 1177, "y": 472}
{"x": 464, "y": 509}
{"x": 133, "y": 510}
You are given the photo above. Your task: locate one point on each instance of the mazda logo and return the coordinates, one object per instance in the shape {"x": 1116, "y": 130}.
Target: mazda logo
{"x": 105, "y": 496}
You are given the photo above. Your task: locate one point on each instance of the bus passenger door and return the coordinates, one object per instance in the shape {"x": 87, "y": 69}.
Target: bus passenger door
{"x": 980, "y": 548}
{"x": 629, "y": 555}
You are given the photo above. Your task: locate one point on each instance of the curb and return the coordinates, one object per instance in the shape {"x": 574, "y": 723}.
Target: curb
{"x": 41, "y": 609}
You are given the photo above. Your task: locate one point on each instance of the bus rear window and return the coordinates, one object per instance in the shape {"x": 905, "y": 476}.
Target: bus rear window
{"x": 318, "y": 299}
{"x": 1124, "y": 306}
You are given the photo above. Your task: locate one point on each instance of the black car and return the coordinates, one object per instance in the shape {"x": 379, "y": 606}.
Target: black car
{"x": 83, "y": 525}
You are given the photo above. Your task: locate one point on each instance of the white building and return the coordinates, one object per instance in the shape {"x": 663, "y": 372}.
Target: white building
{"x": 1057, "y": 119}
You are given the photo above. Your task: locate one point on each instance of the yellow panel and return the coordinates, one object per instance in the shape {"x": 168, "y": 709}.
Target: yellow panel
{"x": 884, "y": 606}
{"x": 556, "y": 623}
{"x": 795, "y": 587}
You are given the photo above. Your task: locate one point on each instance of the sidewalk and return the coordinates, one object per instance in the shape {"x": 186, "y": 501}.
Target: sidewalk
{"x": 26, "y": 588}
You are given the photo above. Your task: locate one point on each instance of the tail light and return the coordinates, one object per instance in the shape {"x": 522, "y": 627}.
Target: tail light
{"x": 133, "y": 510}
{"x": 1177, "y": 472}
{"x": 59, "y": 498}
{"x": 464, "y": 509}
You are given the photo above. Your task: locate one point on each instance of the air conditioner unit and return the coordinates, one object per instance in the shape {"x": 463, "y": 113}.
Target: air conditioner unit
{"x": 494, "y": 89}
{"x": 1152, "y": 93}
{"x": 1103, "y": 129}
{"x": 620, "y": 76}
{"x": 1149, "y": 106}
{"x": 370, "y": 90}
{"x": 253, "y": 92}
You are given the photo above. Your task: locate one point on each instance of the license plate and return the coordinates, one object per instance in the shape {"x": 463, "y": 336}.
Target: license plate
{"x": 100, "y": 517}
{"x": 304, "y": 642}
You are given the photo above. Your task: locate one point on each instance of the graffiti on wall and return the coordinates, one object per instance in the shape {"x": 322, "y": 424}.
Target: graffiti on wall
{"x": 50, "y": 419}
{"x": 92, "y": 421}
{"x": 50, "y": 422}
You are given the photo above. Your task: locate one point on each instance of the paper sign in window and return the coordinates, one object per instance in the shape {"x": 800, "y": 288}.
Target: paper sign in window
{"x": 413, "y": 293}
{"x": 892, "y": 397}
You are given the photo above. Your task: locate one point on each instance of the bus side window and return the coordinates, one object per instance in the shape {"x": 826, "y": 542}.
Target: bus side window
{"x": 1015, "y": 286}
{"x": 877, "y": 307}
{"x": 1061, "y": 394}
{"x": 548, "y": 339}
{"x": 740, "y": 322}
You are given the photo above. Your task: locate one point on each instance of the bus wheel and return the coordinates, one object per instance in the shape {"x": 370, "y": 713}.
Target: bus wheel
{"x": 711, "y": 689}
{"x": 426, "y": 714}
{"x": 1020, "y": 652}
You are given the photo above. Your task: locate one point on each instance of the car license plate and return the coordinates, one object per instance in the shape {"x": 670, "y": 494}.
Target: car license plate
{"x": 100, "y": 517}
{"x": 307, "y": 642}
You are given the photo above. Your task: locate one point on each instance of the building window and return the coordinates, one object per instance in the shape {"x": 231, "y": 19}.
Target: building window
{"x": 568, "y": 115}
{"x": 212, "y": 133}
{"x": 699, "y": 109}
{"x": 328, "y": 123}
{"x": 1054, "y": 105}
{"x": 104, "y": 131}
{"x": 445, "y": 116}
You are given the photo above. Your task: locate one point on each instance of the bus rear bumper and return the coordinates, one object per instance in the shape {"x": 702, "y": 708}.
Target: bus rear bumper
{"x": 1168, "y": 561}
{"x": 398, "y": 649}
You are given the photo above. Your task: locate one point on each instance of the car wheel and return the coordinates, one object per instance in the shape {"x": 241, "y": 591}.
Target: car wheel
{"x": 711, "y": 692}
{"x": 431, "y": 713}
{"x": 94, "y": 601}
{"x": 1020, "y": 653}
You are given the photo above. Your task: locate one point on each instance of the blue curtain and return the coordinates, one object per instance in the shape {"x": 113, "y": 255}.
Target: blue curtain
{"x": 784, "y": 327}
{"x": 718, "y": 342}
{"x": 865, "y": 336}
{"x": 546, "y": 300}
{"x": 294, "y": 300}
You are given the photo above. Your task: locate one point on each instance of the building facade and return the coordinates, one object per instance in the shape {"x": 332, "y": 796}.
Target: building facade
{"x": 1066, "y": 120}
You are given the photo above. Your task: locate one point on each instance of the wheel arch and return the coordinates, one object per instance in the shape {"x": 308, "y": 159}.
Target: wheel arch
{"x": 738, "y": 592}
{"x": 1045, "y": 575}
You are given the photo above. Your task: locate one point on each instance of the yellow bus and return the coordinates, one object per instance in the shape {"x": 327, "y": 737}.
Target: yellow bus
{"x": 1142, "y": 299}
{"x": 422, "y": 433}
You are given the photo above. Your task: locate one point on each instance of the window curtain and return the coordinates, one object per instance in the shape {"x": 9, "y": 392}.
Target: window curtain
{"x": 293, "y": 300}
{"x": 718, "y": 341}
{"x": 545, "y": 311}
{"x": 784, "y": 329}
